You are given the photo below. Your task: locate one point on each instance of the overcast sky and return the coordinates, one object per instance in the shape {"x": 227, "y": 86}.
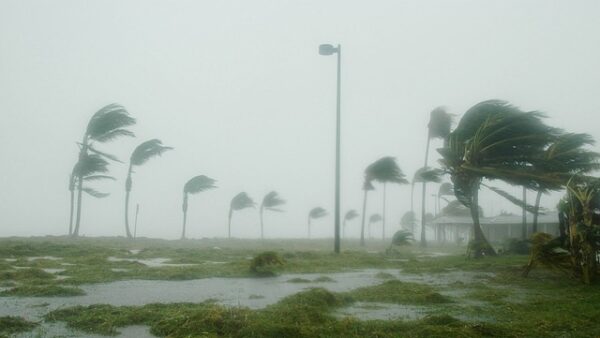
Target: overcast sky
{"x": 240, "y": 92}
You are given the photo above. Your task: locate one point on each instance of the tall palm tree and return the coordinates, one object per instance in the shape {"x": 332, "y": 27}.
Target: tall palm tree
{"x": 350, "y": 215}
{"x": 141, "y": 154}
{"x": 568, "y": 156}
{"x": 90, "y": 168}
{"x": 440, "y": 123}
{"x": 239, "y": 202}
{"x": 106, "y": 124}
{"x": 426, "y": 175}
{"x": 494, "y": 140}
{"x": 385, "y": 170}
{"x": 315, "y": 213}
{"x": 374, "y": 219}
{"x": 367, "y": 186}
{"x": 408, "y": 221}
{"x": 445, "y": 189}
{"x": 271, "y": 202}
{"x": 195, "y": 185}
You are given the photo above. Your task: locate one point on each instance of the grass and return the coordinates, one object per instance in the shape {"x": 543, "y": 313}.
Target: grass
{"x": 49, "y": 290}
{"x": 498, "y": 302}
{"x": 10, "y": 325}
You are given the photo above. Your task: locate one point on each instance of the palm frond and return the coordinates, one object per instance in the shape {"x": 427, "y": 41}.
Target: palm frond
{"x": 409, "y": 219}
{"x": 114, "y": 134}
{"x": 446, "y": 189}
{"x": 368, "y": 185}
{"x": 98, "y": 177}
{"x": 317, "y": 212}
{"x": 111, "y": 157}
{"x": 385, "y": 170}
{"x": 375, "y": 218}
{"x": 147, "y": 150}
{"x": 90, "y": 165}
{"x": 514, "y": 200}
{"x": 427, "y": 174}
{"x": 440, "y": 123}
{"x": 198, "y": 184}
{"x": 272, "y": 200}
{"x": 457, "y": 209}
{"x": 108, "y": 119}
{"x": 350, "y": 215}
{"x": 94, "y": 193}
{"x": 402, "y": 237}
{"x": 242, "y": 201}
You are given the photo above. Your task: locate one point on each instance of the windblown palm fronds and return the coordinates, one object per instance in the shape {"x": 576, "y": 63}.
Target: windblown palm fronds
{"x": 140, "y": 155}
{"x": 270, "y": 202}
{"x": 350, "y": 215}
{"x": 315, "y": 213}
{"x": 195, "y": 185}
{"x": 239, "y": 202}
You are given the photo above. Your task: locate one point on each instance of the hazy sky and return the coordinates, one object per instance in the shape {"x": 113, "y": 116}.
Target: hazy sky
{"x": 238, "y": 88}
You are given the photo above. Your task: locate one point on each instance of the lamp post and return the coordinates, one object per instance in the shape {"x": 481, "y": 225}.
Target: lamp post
{"x": 327, "y": 49}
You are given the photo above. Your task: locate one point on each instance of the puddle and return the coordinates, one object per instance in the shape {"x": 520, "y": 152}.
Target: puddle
{"x": 382, "y": 311}
{"x": 151, "y": 262}
{"x": 50, "y": 258}
{"x": 135, "y": 251}
{"x": 119, "y": 270}
{"x": 10, "y": 259}
{"x": 53, "y": 271}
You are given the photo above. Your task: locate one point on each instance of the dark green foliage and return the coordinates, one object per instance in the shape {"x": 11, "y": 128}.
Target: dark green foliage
{"x": 395, "y": 291}
{"x": 385, "y": 170}
{"x": 350, "y": 215}
{"x": 145, "y": 151}
{"x": 10, "y": 325}
{"x": 264, "y": 263}
{"x": 271, "y": 201}
{"x": 516, "y": 246}
{"x": 48, "y": 290}
{"x": 374, "y": 218}
{"x": 402, "y": 237}
{"x": 109, "y": 122}
{"x": 440, "y": 123}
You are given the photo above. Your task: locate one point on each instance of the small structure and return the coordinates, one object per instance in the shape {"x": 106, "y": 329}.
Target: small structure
{"x": 496, "y": 228}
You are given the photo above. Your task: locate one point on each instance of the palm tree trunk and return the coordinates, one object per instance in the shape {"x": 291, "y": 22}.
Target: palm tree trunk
{"x": 536, "y": 211}
{"x": 229, "y": 225}
{"x": 82, "y": 155}
{"x": 127, "y": 192}
{"x": 362, "y": 225}
{"x": 72, "y": 190}
{"x": 423, "y": 197}
{"x": 524, "y": 215}
{"x": 344, "y": 229}
{"x": 383, "y": 218}
{"x": 412, "y": 199}
{"x": 262, "y": 234}
{"x": 481, "y": 245}
{"x": 308, "y": 227}
{"x": 184, "y": 208}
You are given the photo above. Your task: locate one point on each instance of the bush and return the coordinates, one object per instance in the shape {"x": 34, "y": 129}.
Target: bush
{"x": 264, "y": 263}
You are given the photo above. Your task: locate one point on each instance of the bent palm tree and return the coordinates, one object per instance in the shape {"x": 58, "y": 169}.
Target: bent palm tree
{"x": 373, "y": 219}
{"x": 385, "y": 170}
{"x": 107, "y": 124}
{"x": 140, "y": 155}
{"x": 446, "y": 189}
{"x": 315, "y": 213}
{"x": 270, "y": 202}
{"x": 367, "y": 186}
{"x": 495, "y": 140}
{"x": 239, "y": 202}
{"x": 350, "y": 215}
{"x": 90, "y": 168}
{"x": 408, "y": 221}
{"x": 193, "y": 186}
{"x": 425, "y": 175}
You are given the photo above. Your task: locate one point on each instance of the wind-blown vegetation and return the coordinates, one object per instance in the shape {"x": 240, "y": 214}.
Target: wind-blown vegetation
{"x": 315, "y": 213}
{"x": 193, "y": 186}
{"x": 270, "y": 202}
{"x": 239, "y": 202}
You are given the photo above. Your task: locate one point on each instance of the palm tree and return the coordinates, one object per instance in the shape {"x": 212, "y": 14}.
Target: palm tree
{"x": 193, "y": 186}
{"x": 106, "y": 124}
{"x": 90, "y": 168}
{"x": 315, "y": 213}
{"x": 374, "y": 219}
{"x": 494, "y": 140}
{"x": 367, "y": 186}
{"x": 270, "y": 202}
{"x": 439, "y": 126}
{"x": 425, "y": 175}
{"x": 408, "y": 221}
{"x": 350, "y": 215}
{"x": 140, "y": 155}
{"x": 566, "y": 155}
{"x": 385, "y": 170}
{"x": 239, "y": 202}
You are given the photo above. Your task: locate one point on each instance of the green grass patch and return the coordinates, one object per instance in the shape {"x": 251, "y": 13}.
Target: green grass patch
{"x": 50, "y": 290}
{"x": 394, "y": 291}
{"x": 10, "y": 325}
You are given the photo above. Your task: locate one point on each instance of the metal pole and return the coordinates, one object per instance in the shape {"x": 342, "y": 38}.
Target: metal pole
{"x": 337, "y": 153}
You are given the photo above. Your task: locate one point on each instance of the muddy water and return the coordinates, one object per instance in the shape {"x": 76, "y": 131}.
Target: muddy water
{"x": 254, "y": 293}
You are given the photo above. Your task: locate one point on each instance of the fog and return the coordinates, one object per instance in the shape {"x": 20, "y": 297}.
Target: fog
{"x": 239, "y": 90}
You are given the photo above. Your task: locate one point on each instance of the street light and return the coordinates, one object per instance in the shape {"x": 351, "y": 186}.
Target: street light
{"x": 327, "y": 49}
